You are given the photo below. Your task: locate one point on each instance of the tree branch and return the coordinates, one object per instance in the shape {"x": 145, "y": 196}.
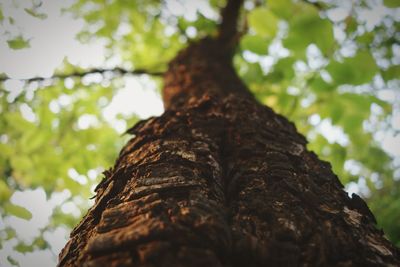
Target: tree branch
{"x": 80, "y": 74}
{"x": 227, "y": 30}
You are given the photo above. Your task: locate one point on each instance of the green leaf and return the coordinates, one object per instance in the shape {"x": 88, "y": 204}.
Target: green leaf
{"x": 318, "y": 85}
{"x": 366, "y": 38}
{"x": 338, "y": 156}
{"x": 253, "y": 73}
{"x": 202, "y": 24}
{"x": 393, "y": 72}
{"x": 35, "y": 14}
{"x": 353, "y": 123}
{"x": 255, "y": 44}
{"x": 18, "y": 43}
{"x": 5, "y": 191}
{"x": 355, "y": 70}
{"x": 17, "y": 211}
{"x": 306, "y": 27}
{"x": 392, "y": 3}
{"x": 282, "y": 8}
{"x": 283, "y": 70}
{"x": 12, "y": 261}
{"x": 1, "y": 14}
{"x": 263, "y": 22}
{"x": 9, "y": 233}
{"x": 361, "y": 102}
{"x": 351, "y": 24}
{"x": 23, "y": 248}
{"x": 39, "y": 242}
{"x": 336, "y": 113}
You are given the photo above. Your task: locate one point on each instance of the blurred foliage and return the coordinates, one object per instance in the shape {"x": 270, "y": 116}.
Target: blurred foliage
{"x": 325, "y": 68}
{"x": 320, "y": 63}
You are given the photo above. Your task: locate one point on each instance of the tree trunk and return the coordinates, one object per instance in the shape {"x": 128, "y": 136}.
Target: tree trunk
{"x": 220, "y": 180}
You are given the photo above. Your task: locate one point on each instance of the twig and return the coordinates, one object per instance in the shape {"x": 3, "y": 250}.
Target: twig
{"x": 80, "y": 74}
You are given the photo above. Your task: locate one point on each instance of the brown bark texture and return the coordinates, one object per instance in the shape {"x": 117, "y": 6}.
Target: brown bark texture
{"x": 221, "y": 180}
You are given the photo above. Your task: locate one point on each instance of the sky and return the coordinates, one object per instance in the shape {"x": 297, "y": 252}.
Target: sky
{"x": 52, "y": 40}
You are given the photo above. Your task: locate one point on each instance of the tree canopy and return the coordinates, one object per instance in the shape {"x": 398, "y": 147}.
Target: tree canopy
{"x": 332, "y": 67}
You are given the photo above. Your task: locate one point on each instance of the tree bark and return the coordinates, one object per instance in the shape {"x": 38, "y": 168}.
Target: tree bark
{"x": 221, "y": 180}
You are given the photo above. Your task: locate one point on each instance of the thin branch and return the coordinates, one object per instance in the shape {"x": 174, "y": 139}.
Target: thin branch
{"x": 80, "y": 74}
{"x": 227, "y": 31}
